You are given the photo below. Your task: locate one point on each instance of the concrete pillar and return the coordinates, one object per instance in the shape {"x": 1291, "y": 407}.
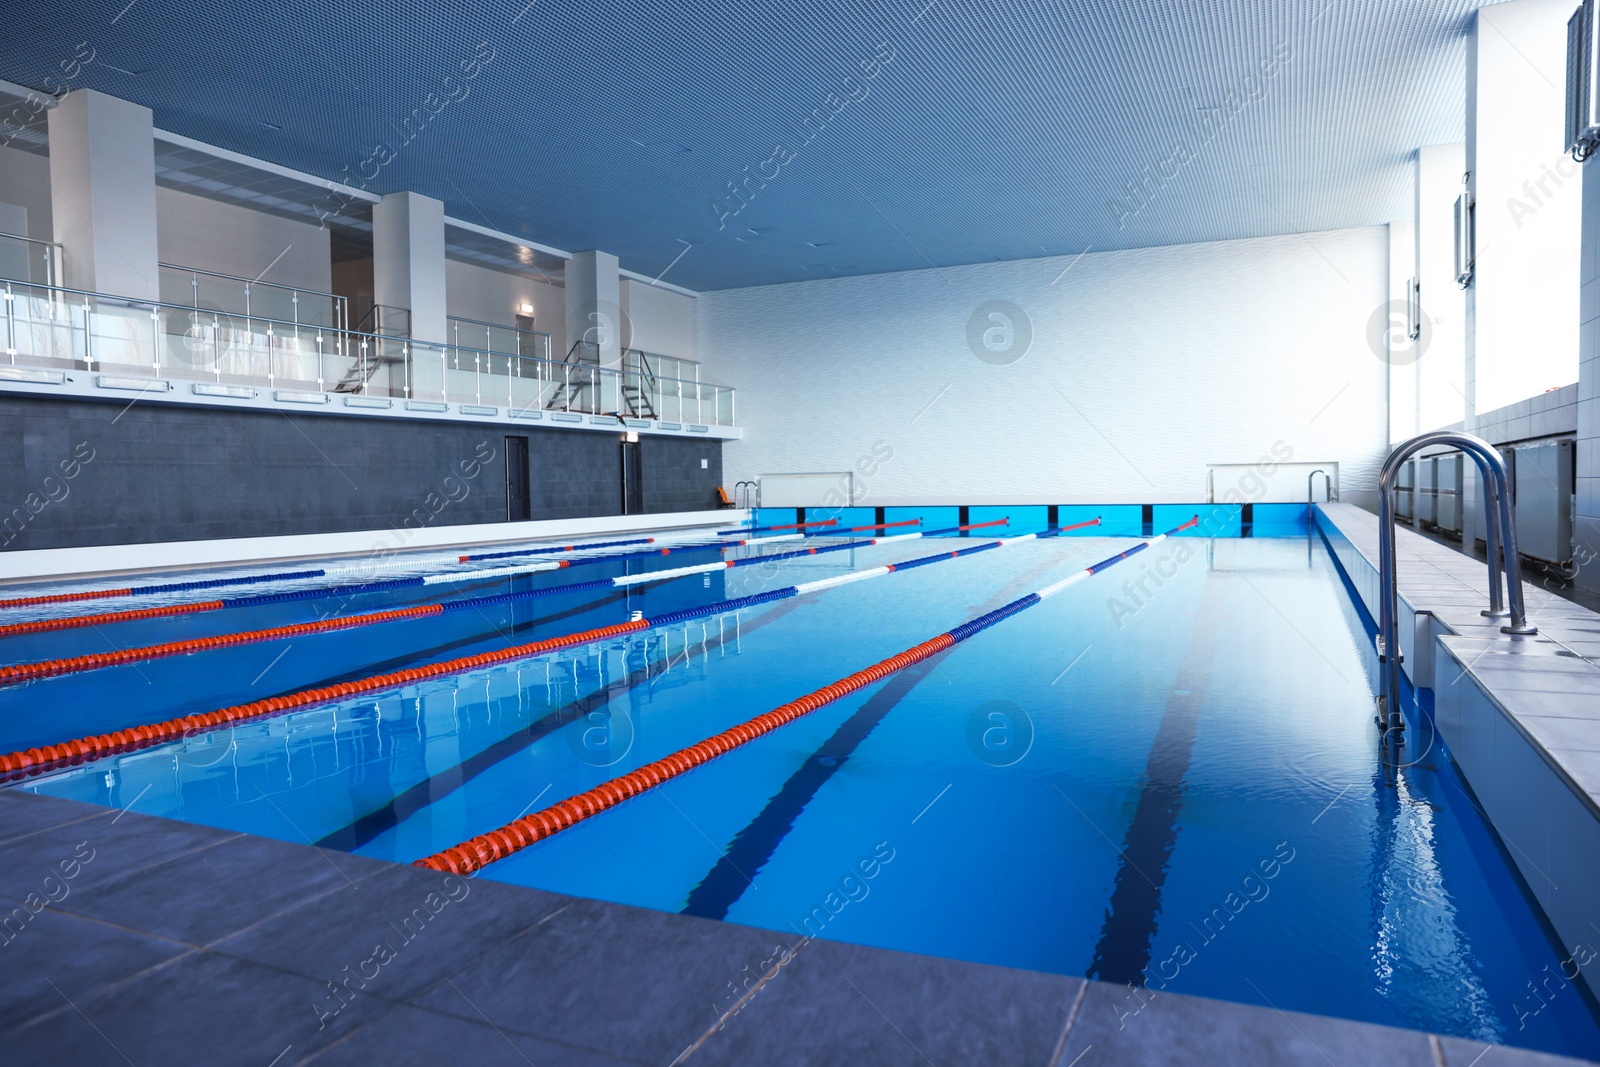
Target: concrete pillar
{"x": 594, "y": 306}
{"x": 1586, "y": 517}
{"x": 408, "y": 268}
{"x": 103, "y": 194}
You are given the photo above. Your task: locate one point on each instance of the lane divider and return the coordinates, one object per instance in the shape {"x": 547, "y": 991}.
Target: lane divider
{"x": 69, "y": 622}
{"x": 53, "y": 668}
{"x": 858, "y": 529}
{"x": 282, "y": 576}
{"x": 478, "y": 852}
{"x": 87, "y": 749}
{"x": 773, "y": 557}
{"x": 552, "y": 548}
{"x": 72, "y": 621}
{"x": 26, "y": 672}
{"x": 150, "y": 590}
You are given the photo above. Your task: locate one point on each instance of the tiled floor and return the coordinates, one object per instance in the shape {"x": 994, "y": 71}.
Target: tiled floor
{"x": 1535, "y": 573}
{"x": 133, "y": 939}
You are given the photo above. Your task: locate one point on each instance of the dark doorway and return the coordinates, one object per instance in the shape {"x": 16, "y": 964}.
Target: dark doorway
{"x": 518, "y": 503}
{"x": 632, "y": 478}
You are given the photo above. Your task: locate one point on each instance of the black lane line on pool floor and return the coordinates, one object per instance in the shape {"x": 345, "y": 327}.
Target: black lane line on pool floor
{"x": 1130, "y": 924}
{"x": 437, "y": 786}
{"x": 753, "y": 847}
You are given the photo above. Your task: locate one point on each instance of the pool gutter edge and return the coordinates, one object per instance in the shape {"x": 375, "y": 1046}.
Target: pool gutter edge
{"x": 1521, "y": 715}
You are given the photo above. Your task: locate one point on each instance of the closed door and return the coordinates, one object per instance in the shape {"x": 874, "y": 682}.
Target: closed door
{"x": 632, "y": 479}
{"x": 518, "y": 503}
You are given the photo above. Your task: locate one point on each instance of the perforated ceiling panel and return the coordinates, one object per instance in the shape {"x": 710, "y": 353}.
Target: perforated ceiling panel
{"x": 734, "y": 144}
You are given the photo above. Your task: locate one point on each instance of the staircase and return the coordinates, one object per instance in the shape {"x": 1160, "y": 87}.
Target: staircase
{"x": 365, "y": 367}
{"x": 388, "y": 329}
{"x": 577, "y": 385}
{"x": 639, "y": 384}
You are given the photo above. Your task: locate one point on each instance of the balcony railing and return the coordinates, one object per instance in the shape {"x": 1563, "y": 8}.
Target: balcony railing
{"x": 52, "y": 327}
{"x": 206, "y": 290}
{"x": 31, "y": 260}
{"x": 501, "y": 340}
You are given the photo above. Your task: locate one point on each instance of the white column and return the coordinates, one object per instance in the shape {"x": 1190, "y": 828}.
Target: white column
{"x": 1586, "y": 520}
{"x": 1522, "y": 308}
{"x": 103, "y": 194}
{"x": 594, "y": 305}
{"x": 408, "y": 268}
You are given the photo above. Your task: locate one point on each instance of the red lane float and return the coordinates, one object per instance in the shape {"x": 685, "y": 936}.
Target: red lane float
{"x": 27, "y": 672}
{"x": 480, "y": 851}
{"x": 34, "y": 760}
{"x": 88, "y": 749}
{"x": 39, "y": 626}
{"x": 24, "y": 672}
{"x": 877, "y": 526}
{"x": 61, "y": 598}
{"x": 517, "y": 835}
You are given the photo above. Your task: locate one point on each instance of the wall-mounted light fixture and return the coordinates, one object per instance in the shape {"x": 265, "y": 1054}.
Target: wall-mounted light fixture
{"x": 631, "y": 437}
{"x": 1466, "y": 239}
{"x": 525, "y": 308}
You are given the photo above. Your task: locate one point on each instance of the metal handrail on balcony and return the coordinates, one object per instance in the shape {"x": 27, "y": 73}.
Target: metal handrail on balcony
{"x": 246, "y": 289}
{"x": 49, "y": 253}
{"x": 53, "y": 326}
{"x": 520, "y": 342}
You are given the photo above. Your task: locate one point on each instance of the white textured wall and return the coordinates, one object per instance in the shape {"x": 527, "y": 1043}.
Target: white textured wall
{"x": 1144, "y": 366}
{"x": 25, "y": 181}
{"x": 660, "y": 320}
{"x": 475, "y": 292}
{"x": 210, "y": 235}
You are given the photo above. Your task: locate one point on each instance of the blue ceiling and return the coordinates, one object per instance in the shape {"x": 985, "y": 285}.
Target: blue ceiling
{"x": 940, "y": 133}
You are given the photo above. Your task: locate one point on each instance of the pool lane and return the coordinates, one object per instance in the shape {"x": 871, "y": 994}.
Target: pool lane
{"x": 989, "y": 861}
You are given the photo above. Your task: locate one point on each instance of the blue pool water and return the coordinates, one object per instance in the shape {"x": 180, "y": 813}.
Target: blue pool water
{"x": 1176, "y": 785}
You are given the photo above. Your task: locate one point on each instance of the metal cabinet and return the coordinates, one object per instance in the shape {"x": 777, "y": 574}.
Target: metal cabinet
{"x": 1544, "y": 488}
{"x": 1447, "y": 486}
{"x": 1427, "y": 491}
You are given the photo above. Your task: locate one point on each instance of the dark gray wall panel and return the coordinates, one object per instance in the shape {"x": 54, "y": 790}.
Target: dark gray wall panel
{"x": 81, "y": 472}
{"x": 673, "y": 480}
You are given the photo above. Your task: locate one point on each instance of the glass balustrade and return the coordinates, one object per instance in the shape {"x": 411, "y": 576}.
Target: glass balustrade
{"x": 30, "y": 260}
{"x": 226, "y": 294}
{"x": 54, "y": 327}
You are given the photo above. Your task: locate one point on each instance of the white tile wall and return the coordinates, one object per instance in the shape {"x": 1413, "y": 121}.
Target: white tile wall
{"x": 1143, "y": 366}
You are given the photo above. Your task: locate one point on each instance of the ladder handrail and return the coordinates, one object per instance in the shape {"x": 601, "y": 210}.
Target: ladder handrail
{"x": 1503, "y": 556}
{"x": 1327, "y": 487}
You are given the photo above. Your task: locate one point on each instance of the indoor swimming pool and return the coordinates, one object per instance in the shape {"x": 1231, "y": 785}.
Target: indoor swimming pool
{"x": 1166, "y": 776}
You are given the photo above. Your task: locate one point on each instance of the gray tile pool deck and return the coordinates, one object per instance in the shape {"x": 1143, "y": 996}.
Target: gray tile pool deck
{"x": 126, "y": 938}
{"x": 168, "y": 943}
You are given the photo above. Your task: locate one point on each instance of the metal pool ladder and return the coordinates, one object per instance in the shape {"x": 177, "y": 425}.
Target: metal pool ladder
{"x": 1327, "y": 486}
{"x": 1503, "y": 559}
